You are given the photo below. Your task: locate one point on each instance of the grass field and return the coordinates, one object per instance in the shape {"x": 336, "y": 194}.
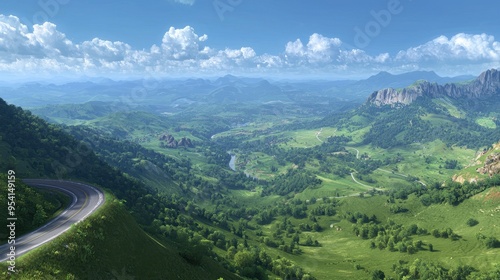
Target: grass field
{"x": 341, "y": 250}
{"x": 415, "y": 156}
{"x": 486, "y": 122}
{"x": 308, "y": 138}
{"x": 452, "y": 109}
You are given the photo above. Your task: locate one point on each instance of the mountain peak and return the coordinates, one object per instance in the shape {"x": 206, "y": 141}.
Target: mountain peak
{"x": 487, "y": 84}
{"x": 489, "y": 75}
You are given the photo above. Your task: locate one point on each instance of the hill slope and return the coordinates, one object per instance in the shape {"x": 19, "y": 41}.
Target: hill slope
{"x": 111, "y": 245}
{"x": 108, "y": 242}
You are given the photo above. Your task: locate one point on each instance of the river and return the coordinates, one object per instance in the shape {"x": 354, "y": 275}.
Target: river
{"x": 232, "y": 162}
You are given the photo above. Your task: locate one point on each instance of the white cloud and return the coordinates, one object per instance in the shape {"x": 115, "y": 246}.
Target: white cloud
{"x": 182, "y": 43}
{"x": 105, "y": 49}
{"x": 318, "y": 49}
{"x": 185, "y": 2}
{"x": 323, "y": 51}
{"x": 295, "y": 48}
{"x": 461, "y": 47}
{"x": 182, "y": 51}
{"x": 47, "y": 39}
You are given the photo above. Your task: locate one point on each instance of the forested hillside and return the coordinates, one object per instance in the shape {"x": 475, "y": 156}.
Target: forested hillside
{"x": 36, "y": 149}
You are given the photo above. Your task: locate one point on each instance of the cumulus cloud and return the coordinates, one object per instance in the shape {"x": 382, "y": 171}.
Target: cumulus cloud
{"x": 182, "y": 43}
{"x": 460, "y": 47}
{"x": 318, "y": 49}
{"x": 43, "y": 48}
{"x": 321, "y": 51}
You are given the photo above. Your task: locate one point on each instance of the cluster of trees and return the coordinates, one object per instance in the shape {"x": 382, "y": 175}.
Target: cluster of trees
{"x": 451, "y": 192}
{"x": 445, "y": 233}
{"x": 252, "y": 262}
{"x": 359, "y": 218}
{"x": 295, "y": 180}
{"x": 423, "y": 269}
{"x": 324, "y": 210}
{"x": 391, "y": 236}
{"x": 490, "y": 242}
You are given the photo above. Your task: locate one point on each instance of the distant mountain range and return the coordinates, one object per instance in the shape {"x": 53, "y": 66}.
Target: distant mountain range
{"x": 166, "y": 93}
{"x": 385, "y": 79}
{"x": 487, "y": 84}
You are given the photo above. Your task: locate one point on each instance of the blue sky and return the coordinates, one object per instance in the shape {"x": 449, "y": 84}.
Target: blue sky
{"x": 320, "y": 38}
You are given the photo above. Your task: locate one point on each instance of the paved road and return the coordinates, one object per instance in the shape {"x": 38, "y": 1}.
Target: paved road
{"x": 86, "y": 199}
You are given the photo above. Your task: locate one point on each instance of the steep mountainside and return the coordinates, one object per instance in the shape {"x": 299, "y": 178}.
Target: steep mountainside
{"x": 487, "y": 84}
{"x": 33, "y": 148}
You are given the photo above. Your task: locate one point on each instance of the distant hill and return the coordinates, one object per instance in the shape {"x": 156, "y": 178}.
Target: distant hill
{"x": 361, "y": 89}
{"x": 385, "y": 79}
{"x": 177, "y": 94}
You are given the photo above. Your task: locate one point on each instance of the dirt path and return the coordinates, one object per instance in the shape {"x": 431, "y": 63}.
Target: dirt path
{"x": 317, "y": 135}
{"x": 357, "y": 151}
{"x": 399, "y": 174}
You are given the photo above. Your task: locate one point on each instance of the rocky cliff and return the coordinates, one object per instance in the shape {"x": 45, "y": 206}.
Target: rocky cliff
{"x": 487, "y": 84}
{"x": 491, "y": 166}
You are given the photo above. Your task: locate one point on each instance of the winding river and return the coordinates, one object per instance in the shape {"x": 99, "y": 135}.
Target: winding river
{"x": 232, "y": 162}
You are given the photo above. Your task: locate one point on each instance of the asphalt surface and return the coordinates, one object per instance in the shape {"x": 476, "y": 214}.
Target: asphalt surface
{"x": 85, "y": 200}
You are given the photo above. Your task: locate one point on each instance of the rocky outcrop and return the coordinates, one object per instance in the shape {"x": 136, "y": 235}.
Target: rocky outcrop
{"x": 391, "y": 96}
{"x": 487, "y": 84}
{"x": 168, "y": 141}
{"x": 491, "y": 165}
{"x": 185, "y": 142}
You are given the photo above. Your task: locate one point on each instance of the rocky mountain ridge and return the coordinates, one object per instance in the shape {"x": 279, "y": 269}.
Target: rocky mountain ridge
{"x": 487, "y": 84}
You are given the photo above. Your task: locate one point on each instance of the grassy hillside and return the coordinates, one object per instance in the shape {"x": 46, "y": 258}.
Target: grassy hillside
{"x": 344, "y": 255}
{"x": 342, "y": 250}
{"x": 111, "y": 245}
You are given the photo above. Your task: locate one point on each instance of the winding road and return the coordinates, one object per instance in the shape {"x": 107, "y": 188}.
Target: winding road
{"x": 86, "y": 199}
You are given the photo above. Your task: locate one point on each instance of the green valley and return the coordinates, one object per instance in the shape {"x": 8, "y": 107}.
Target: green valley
{"x": 271, "y": 190}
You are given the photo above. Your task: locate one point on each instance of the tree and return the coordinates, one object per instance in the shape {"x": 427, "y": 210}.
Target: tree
{"x": 40, "y": 216}
{"x": 378, "y": 275}
{"x": 309, "y": 241}
{"x": 472, "y": 222}
{"x": 244, "y": 259}
{"x": 316, "y": 227}
{"x": 492, "y": 242}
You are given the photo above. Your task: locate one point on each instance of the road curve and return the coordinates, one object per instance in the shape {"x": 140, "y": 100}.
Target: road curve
{"x": 85, "y": 200}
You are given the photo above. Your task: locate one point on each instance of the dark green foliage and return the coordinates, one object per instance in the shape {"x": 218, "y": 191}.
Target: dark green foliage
{"x": 451, "y": 164}
{"x": 492, "y": 242}
{"x": 393, "y": 237}
{"x": 293, "y": 181}
{"x": 33, "y": 206}
{"x": 421, "y": 269}
{"x": 472, "y": 222}
{"x": 451, "y": 193}
{"x": 397, "y": 209}
{"x": 378, "y": 275}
